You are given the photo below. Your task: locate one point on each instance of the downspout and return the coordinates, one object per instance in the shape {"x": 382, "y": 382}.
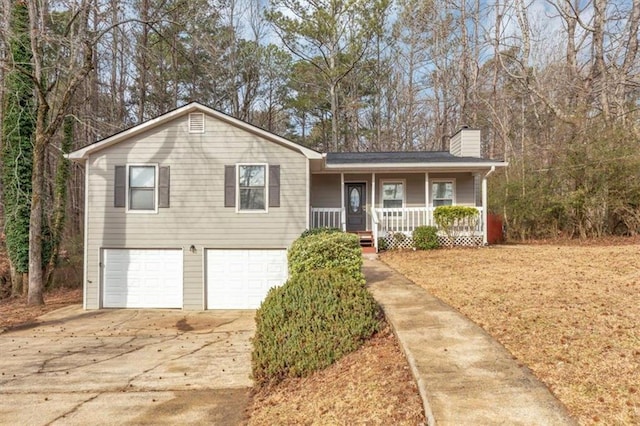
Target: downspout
{"x": 428, "y": 216}
{"x": 485, "y": 240}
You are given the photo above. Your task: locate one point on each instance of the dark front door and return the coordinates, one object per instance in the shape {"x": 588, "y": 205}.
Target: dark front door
{"x": 355, "y": 204}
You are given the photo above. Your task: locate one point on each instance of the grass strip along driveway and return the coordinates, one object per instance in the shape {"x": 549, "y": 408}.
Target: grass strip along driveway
{"x": 570, "y": 313}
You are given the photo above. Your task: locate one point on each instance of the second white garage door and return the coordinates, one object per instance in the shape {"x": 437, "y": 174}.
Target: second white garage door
{"x": 240, "y": 279}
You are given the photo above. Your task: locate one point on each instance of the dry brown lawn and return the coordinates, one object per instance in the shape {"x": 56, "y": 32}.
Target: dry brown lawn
{"x": 571, "y": 313}
{"x": 16, "y": 312}
{"x": 371, "y": 386}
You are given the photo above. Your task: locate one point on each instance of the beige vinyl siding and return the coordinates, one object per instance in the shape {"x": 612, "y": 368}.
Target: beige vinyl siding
{"x": 465, "y": 187}
{"x": 197, "y": 215}
{"x": 325, "y": 190}
{"x": 466, "y": 143}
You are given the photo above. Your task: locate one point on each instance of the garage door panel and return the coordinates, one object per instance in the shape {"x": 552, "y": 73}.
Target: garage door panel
{"x": 240, "y": 279}
{"x": 142, "y": 278}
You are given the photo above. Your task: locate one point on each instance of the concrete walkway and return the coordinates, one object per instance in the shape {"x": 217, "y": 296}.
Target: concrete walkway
{"x": 464, "y": 376}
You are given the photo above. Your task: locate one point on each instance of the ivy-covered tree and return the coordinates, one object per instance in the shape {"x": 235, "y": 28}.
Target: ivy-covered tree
{"x": 18, "y": 128}
{"x": 58, "y": 216}
{"x": 61, "y": 63}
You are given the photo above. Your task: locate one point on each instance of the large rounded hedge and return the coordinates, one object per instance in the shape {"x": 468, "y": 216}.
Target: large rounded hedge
{"x": 326, "y": 250}
{"x": 311, "y": 321}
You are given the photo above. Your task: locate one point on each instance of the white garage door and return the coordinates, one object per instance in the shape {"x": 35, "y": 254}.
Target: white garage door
{"x": 142, "y": 278}
{"x": 240, "y": 279}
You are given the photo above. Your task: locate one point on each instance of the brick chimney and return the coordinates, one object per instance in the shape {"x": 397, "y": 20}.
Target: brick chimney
{"x": 465, "y": 143}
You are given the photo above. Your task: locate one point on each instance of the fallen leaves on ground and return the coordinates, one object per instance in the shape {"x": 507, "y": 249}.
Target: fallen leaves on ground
{"x": 15, "y": 311}
{"x": 570, "y": 313}
{"x": 372, "y": 385}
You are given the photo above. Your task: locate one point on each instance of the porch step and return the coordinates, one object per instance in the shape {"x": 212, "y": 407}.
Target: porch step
{"x": 366, "y": 238}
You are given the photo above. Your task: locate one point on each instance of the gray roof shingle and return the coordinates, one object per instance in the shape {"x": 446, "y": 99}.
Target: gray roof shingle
{"x": 400, "y": 157}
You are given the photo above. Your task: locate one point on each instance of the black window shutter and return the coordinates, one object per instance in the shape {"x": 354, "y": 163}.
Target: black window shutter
{"x": 274, "y": 186}
{"x": 164, "y": 187}
{"x": 229, "y": 186}
{"x": 120, "y": 187}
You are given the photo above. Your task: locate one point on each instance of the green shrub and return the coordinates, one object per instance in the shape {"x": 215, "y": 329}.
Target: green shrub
{"x": 453, "y": 220}
{"x": 425, "y": 238}
{"x": 310, "y": 322}
{"x": 316, "y": 231}
{"x": 326, "y": 251}
{"x": 382, "y": 244}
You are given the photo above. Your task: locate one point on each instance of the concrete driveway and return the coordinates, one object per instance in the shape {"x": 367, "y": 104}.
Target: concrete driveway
{"x": 127, "y": 367}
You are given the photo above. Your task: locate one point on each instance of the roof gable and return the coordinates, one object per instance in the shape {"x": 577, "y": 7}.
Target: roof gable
{"x": 84, "y": 152}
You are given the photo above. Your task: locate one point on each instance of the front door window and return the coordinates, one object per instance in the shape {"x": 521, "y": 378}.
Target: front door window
{"x": 354, "y": 200}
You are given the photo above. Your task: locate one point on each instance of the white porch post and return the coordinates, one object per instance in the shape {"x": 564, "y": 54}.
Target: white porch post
{"x": 374, "y": 225}
{"x": 343, "y": 217}
{"x": 426, "y": 199}
{"x": 485, "y": 240}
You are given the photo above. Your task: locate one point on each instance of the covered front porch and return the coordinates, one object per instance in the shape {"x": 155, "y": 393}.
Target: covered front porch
{"x": 390, "y": 205}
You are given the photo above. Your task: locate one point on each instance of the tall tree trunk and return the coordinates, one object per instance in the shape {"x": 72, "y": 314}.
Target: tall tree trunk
{"x": 333, "y": 93}
{"x": 17, "y": 285}
{"x": 600, "y": 69}
{"x": 143, "y": 51}
{"x": 36, "y": 296}
{"x": 59, "y": 201}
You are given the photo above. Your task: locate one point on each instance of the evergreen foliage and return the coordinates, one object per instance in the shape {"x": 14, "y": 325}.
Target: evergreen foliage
{"x": 327, "y": 250}
{"x": 425, "y": 238}
{"x": 313, "y": 320}
{"x": 17, "y": 140}
{"x": 52, "y": 244}
{"x": 590, "y": 189}
{"x": 453, "y": 220}
{"x": 316, "y": 231}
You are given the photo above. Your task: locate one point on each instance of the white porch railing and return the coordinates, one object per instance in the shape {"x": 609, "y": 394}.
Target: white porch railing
{"x": 396, "y": 225}
{"x": 326, "y": 217}
{"x": 406, "y": 219}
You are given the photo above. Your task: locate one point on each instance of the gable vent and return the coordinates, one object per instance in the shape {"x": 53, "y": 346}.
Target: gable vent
{"x": 196, "y": 122}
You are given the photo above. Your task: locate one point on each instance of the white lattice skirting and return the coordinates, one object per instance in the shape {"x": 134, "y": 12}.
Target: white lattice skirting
{"x": 399, "y": 240}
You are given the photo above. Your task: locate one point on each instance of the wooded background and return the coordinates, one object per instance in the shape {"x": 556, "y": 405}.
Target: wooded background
{"x": 553, "y": 85}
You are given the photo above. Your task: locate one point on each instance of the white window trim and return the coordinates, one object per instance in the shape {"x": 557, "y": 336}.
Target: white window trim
{"x": 155, "y": 189}
{"x": 404, "y": 190}
{"x": 453, "y": 189}
{"x": 266, "y": 188}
